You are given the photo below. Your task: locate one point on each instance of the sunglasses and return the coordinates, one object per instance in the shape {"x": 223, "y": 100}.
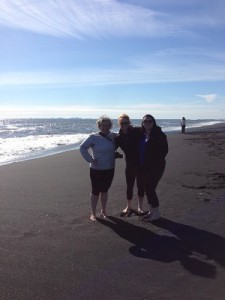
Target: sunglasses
{"x": 147, "y": 121}
{"x": 124, "y": 123}
{"x": 105, "y": 125}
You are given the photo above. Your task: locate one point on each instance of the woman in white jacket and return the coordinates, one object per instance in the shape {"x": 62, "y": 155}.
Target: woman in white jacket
{"x": 99, "y": 150}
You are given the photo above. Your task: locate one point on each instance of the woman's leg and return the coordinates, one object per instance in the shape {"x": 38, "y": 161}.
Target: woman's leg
{"x": 106, "y": 181}
{"x": 153, "y": 214}
{"x": 94, "y": 175}
{"x": 130, "y": 179}
{"x": 140, "y": 204}
{"x": 140, "y": 188}
{"x": 151, "y": 192}
{"x": 94, "y": 202}
{"x": 104, "y": 198}
{"x": 152, "y": 178}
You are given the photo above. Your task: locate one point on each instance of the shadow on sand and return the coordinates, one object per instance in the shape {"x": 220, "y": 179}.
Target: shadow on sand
{"x": 195, "y": 249}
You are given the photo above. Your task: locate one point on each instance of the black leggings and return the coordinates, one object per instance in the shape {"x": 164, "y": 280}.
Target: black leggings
{"x": 151, "y": 179}
{"x": 101, "y": 180}
{"x": 132, "y": 173}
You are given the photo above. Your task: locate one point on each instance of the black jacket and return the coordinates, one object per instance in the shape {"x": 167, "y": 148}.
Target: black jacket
{"x": 155, "y": 149}
{"x": 129, "y": 144}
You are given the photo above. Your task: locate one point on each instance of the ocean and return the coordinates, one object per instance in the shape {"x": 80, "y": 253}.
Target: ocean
{"x": 24, "y": 139}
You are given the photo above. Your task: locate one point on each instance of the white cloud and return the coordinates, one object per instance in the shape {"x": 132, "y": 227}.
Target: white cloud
{"x": 97, "y": 18}
{"x": 208, "y": 98}
{"x": 83, "y": 18}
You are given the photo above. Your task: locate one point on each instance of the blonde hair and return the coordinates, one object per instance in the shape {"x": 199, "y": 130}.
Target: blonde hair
{"x": 123, "y": 116}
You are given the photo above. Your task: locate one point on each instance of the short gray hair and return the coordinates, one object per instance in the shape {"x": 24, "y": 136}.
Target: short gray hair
{"x": 103, "y": 119}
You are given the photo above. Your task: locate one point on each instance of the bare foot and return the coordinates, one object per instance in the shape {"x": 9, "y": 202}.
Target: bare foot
{"x": 140, "y": 212}
{"x": 93, "y": 218}
{"x": 126, "y": 210}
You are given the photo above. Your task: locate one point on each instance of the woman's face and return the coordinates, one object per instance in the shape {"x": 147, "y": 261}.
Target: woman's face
{"x": 124, "y": 124}
{"x": 147, "y": 123}
{"x": 105, "y": 127}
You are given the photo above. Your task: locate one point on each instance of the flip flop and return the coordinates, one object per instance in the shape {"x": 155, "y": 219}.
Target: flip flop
{"x": 142, "y": 213}
{"x": 127, "y": 213}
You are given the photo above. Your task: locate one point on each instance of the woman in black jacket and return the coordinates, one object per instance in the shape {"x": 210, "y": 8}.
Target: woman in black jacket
{"x": 128, "y": 139}
{"x": 153, "y": 148}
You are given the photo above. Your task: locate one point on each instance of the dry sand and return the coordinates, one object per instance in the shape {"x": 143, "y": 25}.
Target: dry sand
{"x": 50, "y": 250}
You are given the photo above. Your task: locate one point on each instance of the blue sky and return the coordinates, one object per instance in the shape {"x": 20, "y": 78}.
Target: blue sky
{"x": 85, "y": 58}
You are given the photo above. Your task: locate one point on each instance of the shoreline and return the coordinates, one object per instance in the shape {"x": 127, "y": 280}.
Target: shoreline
{"x": 215, "y": 127}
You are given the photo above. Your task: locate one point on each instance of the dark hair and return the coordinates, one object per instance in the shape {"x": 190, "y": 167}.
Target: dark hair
{"x": 148, "y": 116}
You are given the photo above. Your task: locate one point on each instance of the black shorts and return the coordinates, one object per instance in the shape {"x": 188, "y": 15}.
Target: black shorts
{"x": 101, "y": 180}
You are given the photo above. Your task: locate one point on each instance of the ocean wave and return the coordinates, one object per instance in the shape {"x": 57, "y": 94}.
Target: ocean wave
{"x": 20, "y": 148}
{"x": 22, "y": 139}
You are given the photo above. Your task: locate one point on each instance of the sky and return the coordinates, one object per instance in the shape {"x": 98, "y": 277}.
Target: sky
{"x": 86, "y": 58}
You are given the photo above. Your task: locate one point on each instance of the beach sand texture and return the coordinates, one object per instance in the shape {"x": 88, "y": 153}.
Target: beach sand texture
{"x": 51, "y": 250}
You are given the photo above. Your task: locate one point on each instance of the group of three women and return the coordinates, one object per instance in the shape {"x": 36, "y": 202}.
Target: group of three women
{"x": 145, "y": 149}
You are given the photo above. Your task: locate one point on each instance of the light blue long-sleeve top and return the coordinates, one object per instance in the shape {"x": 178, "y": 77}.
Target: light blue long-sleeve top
{"x": 97, "y": 147}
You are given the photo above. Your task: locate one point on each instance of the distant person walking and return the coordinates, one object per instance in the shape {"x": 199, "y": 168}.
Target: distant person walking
{"x": 102, "y": 163}
{"x": 183, "y": 125}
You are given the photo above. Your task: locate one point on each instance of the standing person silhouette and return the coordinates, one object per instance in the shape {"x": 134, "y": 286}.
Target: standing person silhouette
{"x": 183, "y": 125}
{"x": 102, "y": 163}
{"x": 127, "y": 139}
{"x": 153, "y": 148}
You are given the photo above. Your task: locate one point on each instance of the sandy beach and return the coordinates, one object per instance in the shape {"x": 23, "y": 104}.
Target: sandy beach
{"x": 51, "y": 250}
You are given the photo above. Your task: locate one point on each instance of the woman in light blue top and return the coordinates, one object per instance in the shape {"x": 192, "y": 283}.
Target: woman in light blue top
{"x": 99, "y": 150}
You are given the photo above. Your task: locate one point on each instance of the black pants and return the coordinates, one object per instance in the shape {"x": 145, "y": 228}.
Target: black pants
{"x": 134, "y": 173}
{"x": 151, "y": 177}
{"x": 101, "y": 180}
{"x": 183, "y": 128}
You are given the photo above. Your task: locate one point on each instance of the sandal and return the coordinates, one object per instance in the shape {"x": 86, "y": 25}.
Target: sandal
{"x": 146, "y": 216}
{"x": 142, "y": 213}
{"x": 124, "y": 212}
{"x": 127, "y": 212}
{"x": 103, "y": 216}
